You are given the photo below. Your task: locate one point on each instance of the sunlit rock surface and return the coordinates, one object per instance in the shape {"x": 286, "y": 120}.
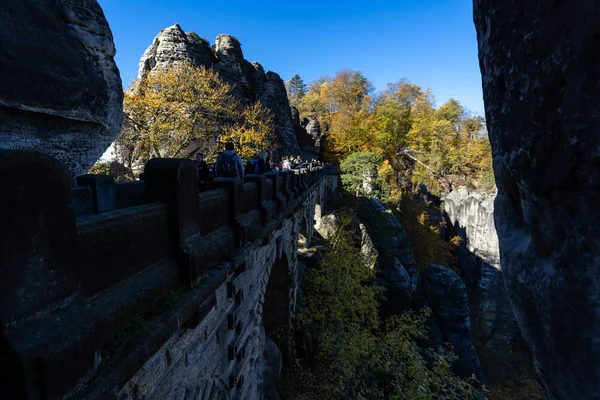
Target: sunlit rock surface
{"x": 505, "y": 360}
{"x": 249, "y": 81}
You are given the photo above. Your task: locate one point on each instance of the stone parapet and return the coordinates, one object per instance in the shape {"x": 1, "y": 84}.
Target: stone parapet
{"x": 83, "y": 267}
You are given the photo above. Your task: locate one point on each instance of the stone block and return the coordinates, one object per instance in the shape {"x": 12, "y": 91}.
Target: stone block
{"x": 267, "y": 208}
{"x": 103, "y": 191}
{"x": 37, "y": 233}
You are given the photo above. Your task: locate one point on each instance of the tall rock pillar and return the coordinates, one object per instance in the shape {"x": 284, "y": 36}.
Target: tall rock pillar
{"x": 540, "y": 65}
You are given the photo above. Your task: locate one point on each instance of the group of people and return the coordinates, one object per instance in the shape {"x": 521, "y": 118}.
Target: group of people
{"x": 230, "y": 165}
{"x": 288, "y": 163}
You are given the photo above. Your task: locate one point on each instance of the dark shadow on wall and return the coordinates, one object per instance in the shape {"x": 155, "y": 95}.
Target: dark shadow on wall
{"x": 12, "y": 382}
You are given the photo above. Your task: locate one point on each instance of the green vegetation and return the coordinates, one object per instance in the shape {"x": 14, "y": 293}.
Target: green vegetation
{"x": 417, "y": 142}
{"x": 424, "y": 233}
{"x": 364, "y": 173}
{"x": 296, "y": 89}
{"x": 354, "y": 354}
{"x": 112, "y": 168}
{"x": 359, "y": 173}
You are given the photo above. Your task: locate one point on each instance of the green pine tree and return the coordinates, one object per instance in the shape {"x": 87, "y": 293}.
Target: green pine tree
{"x": 296, "y": 89}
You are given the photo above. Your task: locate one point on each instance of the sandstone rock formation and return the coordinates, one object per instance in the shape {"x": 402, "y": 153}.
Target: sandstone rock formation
{"x": 505, "y": 363}
{"x": 446, "y": 294}
{"x": 327, "y": 225}
{"x": 471, "y": 216}
{"x": 396, "y": 263}
{"x": 249, "y": 80}
{"x": 540, "y": 68}
{"x": 173, "y": 46}
{"x": 275, "y": 98}
{"x": 474, "y": 211}
{"x": 60, "y": 91}
{"x": 308, "y": 134}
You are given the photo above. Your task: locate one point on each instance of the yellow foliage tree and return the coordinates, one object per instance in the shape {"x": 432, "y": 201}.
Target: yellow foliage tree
{"x": 176, "y": 111}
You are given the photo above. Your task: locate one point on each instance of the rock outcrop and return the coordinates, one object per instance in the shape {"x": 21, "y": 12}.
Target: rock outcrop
{"x": 248, "y": 80}
{"x": 173, "y": 46}
{"x": 473, "y": 212}
{"x": 446, "y": 295}
{"x": 308, "y": 135}
{"x": 396, "y": 265}
{"x": 60, "y": 91}
{"x": 540, "y": 68}
{"x": 471, "y": 216}
{"x": 275, "y": 98}
{"x": 506, "y": 364}
{"x": 313, "y": 128}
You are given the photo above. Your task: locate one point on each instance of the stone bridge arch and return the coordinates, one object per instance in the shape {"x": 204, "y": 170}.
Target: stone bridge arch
{"x": 278, "y": 305}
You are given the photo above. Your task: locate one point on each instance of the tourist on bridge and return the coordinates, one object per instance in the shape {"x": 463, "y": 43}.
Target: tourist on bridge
{"x": 229, "y": 164}
{"x": 204, "y": 178}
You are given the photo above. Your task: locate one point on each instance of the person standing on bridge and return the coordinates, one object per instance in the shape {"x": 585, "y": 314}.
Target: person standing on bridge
{"x": 229, "y": 164}
{"x": 203, "y": 173}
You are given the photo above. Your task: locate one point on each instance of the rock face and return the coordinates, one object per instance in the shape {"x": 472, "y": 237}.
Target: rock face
{"x": 446, "y": 294}
{"x": 471, "y": 216}
{"x": 505, "y": 364}
{"x": 248, "y": 80}
{"x": 396, "y": 263}
{"x": 275, "y": 98}
{"x": 308, "y": 135}
{"x": 367, "y": 248}
{"x": 474, "y": 212}
{"x": 173, "y": 46}
{"x": 60, "y": 91}
{"x": 540, "y": 68}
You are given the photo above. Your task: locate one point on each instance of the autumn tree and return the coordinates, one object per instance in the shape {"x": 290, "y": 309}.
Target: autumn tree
{"x": 418, "y": 142}
{"x": 176, "y": 111}
{"x": 350, "y": 97}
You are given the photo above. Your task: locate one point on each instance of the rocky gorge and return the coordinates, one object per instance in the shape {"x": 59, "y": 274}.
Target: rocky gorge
{"x": 532, "y": 288}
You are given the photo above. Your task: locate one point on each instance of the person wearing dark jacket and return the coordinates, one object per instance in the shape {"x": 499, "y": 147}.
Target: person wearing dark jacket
{"x": 229, "y": 164}
{"x": 204, "y": 178}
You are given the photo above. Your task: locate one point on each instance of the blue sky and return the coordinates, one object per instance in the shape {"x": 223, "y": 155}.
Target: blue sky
{"x": 431, "y": 43}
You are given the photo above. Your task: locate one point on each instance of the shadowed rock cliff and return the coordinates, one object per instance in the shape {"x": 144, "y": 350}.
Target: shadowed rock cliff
{"x": 60, "y": 90}
{"x": 446, "y": 295}
{"x": 540, "y": 64}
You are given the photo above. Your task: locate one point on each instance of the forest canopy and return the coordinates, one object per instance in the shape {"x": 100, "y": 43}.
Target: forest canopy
{"x": 419, "y": 142}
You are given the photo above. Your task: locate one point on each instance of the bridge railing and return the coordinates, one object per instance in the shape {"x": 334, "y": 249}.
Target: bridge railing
{"x": 79, "y": 264}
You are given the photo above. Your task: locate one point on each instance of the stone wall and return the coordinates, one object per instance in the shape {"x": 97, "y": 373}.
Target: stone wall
{"x": 143, "y": 288}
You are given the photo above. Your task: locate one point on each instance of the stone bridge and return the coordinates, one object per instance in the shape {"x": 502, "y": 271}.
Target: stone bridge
{"x": 148, "y": 289}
